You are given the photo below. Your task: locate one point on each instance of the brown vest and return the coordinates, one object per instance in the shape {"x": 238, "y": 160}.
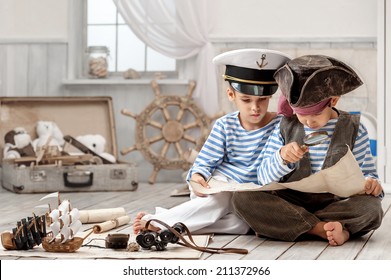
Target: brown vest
{"x": 345, "y": 133}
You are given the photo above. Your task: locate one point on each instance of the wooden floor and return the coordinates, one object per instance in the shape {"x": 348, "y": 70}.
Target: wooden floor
{"x": 373, "y": 246}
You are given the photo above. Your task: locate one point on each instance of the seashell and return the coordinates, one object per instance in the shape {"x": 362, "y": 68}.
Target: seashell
{"x": 131, "y": 74}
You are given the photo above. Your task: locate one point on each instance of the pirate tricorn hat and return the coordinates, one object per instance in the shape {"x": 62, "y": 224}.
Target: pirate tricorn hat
{"x": 310, "y": 79}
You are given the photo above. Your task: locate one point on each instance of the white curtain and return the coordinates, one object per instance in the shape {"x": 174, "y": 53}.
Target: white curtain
{"x": 178, "y": 29}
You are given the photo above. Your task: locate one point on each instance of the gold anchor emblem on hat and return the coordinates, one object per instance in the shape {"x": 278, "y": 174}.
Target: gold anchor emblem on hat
{"x": 263, "y": 63}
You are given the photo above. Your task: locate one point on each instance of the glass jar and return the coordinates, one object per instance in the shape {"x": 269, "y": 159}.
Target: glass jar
{"x": 97, "y": 62}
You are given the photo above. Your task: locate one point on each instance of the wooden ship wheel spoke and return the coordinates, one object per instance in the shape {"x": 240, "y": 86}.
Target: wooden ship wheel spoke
{"x": 180, "y": 115}
{"x": 190, "y": 139}
{"x": 166, "y": 114}
{"x": 178, "y": 125}
{"x": 155, "y": 139}
{"x": 191, "y": 125}
{"x": 178, "y": 148}
{"x": 155, "y": 124}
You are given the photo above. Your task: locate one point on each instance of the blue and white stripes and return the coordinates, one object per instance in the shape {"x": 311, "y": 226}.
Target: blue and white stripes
{"x": 232, "y": 150}
{"x": 272, "y": 168}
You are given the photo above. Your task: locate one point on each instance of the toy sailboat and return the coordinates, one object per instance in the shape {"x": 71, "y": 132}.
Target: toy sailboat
{"x": 28, "y": 233}
{"x": 63, "y": 224}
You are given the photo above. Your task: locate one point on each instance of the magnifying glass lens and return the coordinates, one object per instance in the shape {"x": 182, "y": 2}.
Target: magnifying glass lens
{"x": 315, "y": 138}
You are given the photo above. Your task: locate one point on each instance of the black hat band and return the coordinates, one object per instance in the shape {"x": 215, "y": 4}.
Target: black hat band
{"x": 249, "y": 76}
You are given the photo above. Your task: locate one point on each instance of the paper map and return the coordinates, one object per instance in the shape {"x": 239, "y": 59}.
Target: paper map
{"x": 344, "y": 179}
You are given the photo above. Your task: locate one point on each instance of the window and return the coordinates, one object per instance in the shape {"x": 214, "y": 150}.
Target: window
{"x": 106, "y": 27}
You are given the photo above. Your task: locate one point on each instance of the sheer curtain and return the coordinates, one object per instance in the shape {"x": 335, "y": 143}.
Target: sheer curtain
{"x": 178, "y": 29}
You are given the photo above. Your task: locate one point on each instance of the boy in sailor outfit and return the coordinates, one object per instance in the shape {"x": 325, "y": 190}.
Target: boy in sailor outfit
{"x": 232, "y": 151}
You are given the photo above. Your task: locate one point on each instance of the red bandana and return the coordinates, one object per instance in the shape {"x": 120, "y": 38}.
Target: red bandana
{"x": 287, "y": 110}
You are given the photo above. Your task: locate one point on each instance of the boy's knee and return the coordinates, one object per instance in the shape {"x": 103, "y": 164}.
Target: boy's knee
{"x": 247, "y": 200}
{"x": 241, "y": 199}
{"x": 376, "y": 211}
{"x": 372, "y": 209}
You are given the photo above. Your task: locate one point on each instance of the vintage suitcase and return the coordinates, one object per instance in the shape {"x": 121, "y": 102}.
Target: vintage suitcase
{"x": 74, "y": 116}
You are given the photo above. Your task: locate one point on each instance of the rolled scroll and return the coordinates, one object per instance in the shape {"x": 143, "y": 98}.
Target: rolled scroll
{"x": 108, "y": 225}
{"x": 101, "y": 215}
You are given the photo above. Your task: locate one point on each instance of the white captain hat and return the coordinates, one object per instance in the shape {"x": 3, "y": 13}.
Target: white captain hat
{"x": 250, "y": 71}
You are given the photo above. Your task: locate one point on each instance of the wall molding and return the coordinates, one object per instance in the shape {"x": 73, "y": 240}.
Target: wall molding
{"x": 27, "y": 41}
{"x": 290, "y": 40}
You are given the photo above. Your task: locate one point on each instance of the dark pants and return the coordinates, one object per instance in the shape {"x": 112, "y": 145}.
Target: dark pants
{"x": 288, "y": 214}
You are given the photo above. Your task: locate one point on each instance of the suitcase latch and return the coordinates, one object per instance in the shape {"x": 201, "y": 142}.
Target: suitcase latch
{"x": 37, "y": 175}
{"x": 118, "y": 174}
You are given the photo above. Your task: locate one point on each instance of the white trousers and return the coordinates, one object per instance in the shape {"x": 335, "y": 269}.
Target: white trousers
{"x": 210, "y": 214}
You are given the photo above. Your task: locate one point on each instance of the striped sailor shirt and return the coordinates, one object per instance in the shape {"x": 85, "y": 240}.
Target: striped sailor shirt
{"x": 232, "y": 150}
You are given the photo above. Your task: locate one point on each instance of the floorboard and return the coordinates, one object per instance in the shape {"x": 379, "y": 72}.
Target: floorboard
{"x": 269, "y": 250}
{"x": 375, "y": 245}
{"x": 378, "y": 246}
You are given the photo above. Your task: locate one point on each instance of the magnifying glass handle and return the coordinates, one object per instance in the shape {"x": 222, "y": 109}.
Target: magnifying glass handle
{"x": 304, "y": 147}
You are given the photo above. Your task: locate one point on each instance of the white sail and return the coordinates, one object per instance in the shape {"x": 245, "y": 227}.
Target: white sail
{"x": 64, "y": 206}
{"x": 75, "y": 214}
{"x": 55, "y": 194}
{"x": 65, "y": 219}
{"x": 54, "y": 215}
{"x": 55, "y": 228}
{"x": 42, "y": 206}
{"x": 65, "y": 234}
{"x": 75, "y": 227}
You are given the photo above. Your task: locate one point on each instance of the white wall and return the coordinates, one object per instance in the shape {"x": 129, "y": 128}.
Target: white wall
{"x": 42, "y": 19}
{"x": 296, "y": 18}
{"x": 25, "y": 20}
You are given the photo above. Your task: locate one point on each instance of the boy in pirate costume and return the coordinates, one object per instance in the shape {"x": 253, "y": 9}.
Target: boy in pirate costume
{"x": 311, "y": 86}
{"x": 232, "y": 150}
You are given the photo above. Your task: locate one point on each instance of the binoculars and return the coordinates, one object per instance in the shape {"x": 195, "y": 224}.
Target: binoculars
{"x": 147, "y": 239}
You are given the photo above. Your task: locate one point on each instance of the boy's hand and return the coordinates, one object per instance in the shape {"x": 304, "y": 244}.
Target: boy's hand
{"x": 292, "y": 152}
{"x": 372, "y": 186}
{"x": 198, "y": 178}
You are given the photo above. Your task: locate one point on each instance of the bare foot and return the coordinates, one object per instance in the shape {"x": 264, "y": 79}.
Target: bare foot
{"x": 335, "y": 233}
{"x": 139, "y": 224}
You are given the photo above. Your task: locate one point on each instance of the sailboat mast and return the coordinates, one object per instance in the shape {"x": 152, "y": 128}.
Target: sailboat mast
{"x": 58, "y": 199}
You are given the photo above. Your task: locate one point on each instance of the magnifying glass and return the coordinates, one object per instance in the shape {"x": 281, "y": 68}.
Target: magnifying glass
{"x": 314, "y": 138}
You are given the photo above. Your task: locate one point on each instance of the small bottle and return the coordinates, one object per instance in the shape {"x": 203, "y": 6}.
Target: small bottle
{"x": 97, "y": 62}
